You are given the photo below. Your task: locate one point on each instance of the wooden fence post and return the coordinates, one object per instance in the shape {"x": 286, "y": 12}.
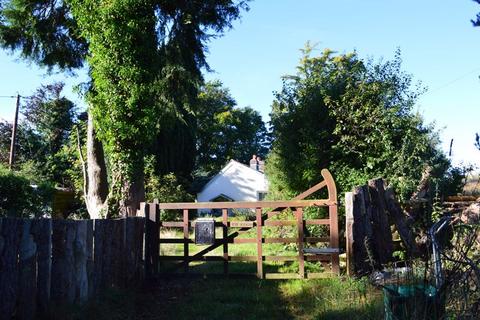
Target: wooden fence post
{"x": 300, "y": 238}
{"x": 90, "y": 262}
{"x": 99, "y": 241}
{"x": 42, "y": 232}
{"x": 225, "y": 240}
{"x": 81, "y": 255}
{"x": 381, "y": 233}
{"x": 185, "y": 239}
{"x": 27, "y": 284}
{"x": 349, "y": 231}
{"x": 11, "y": 233}
{"x": 334, "y": 243}
{"x": 259, "y": 243}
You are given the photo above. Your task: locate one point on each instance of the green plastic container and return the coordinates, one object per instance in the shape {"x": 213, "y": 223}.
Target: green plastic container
{"x": 406, "y": 302}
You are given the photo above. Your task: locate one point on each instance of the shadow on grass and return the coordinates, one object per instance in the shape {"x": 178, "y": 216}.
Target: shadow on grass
{"x": 223, "y": 298}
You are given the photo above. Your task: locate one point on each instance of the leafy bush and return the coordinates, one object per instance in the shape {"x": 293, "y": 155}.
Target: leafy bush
{"x": 354, "y": 117}
{"x": 20, "y": 199}
{"x": 166, "y": 188}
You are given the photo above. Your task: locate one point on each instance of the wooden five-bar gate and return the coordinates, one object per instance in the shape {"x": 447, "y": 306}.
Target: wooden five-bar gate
{"x": 328, "y": 255}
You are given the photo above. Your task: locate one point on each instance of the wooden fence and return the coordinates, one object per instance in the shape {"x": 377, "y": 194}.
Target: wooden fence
{"x": 371, "y": 211}
{"x": 263, "y": 210}
{"x": 45, "y": 261}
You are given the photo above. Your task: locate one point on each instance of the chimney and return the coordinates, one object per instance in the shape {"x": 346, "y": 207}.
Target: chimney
{"x": 254, "y": 163}
{"x": 261, "y": 165}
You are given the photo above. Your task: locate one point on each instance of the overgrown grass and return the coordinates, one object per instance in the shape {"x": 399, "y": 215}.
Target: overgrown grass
{"x": 238, "y": 299}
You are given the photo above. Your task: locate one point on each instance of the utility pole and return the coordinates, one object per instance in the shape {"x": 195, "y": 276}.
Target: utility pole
{"x": 14, "y": 134}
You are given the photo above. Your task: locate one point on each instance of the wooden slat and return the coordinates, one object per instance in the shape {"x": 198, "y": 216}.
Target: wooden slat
{"x": 242, "y": 240}
{"x": 80, "y": 255}
{"x": 280, "y": 258}
{"x": 242, "y": 258}
{"x": 317, "y": 222}
{"x": 27, "y": 284}
{"x": 118, "y": 253}
{"x": 70, "y": 257}
{"x": 42, "y": 232}
{"x": 258, "y": 213}
{"x": 320, "y": 275}
{"x": 279, "y": 223}
{"x": 107, "y": 272}
{"x": 316, "y": 239}
{"x": 323, "y": 257}
{"x": 154, "y": 213}
{"x": 312, "y": 190}
{"x": 130, "y": 250}
{"x": 321, "y": 250}
{"x": 175, "y": 240}
{"x": 10, "y": 234}
{"x": 300, "y": 227}
{"x": 62, "y": 262}
{"x": 90, "y": 262}
{"x": 225, "y": 242}
{"x": 349, "y": 231}
{"x": 279, "y": 276}
{"x": 139, "y": 250}
{"x": 99, "y": 240}
{"x": 172, "y": 224}
{"x": 245, "y": 204}
{"x": 185, "y": 237}
{"x": 184, "y": 258}
{"x": 280, "y": 240}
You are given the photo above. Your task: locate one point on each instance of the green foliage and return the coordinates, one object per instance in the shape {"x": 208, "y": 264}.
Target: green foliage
{"x": 164, "y": 188}
{"x": 145, "y": 60}
{"x": 20, "y": 199}
{"x": 28, "y": 144}
{"x": 43, "y": 31}
{"x": 353, "y": 117}
{"x": 50, "y": 114}
{"x": 41, "y": 148}
{"x": 225, "y": 131}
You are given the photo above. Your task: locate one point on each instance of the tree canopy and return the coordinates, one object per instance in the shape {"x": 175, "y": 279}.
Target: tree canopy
{"x": 225, "y": 131}
{"x": 476, "y": 21}
{"x": 145, "y": 60}
{"x": 352, "y": 116}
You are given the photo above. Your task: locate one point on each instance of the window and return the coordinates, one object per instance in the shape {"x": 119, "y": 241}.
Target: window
{"x": 261, "y": 195}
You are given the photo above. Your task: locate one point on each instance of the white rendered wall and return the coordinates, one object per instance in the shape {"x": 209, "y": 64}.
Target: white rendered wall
{"x": 235, "y": 181}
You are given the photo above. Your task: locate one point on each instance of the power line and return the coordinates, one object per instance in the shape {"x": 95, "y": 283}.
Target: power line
{"x": 452, "y": 81}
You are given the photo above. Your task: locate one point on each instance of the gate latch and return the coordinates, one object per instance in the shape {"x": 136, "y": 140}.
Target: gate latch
{"x": 205, "y": 231}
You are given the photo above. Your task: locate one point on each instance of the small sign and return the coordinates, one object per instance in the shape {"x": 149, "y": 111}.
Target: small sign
{"x": 241, "y": 224}
{"x": 205, "y": 231}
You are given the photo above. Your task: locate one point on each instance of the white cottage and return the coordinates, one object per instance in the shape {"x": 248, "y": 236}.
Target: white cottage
{"x": 236, "y": 182}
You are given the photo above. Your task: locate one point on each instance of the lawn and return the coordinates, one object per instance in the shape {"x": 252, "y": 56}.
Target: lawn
{"x": 333, "y": 298}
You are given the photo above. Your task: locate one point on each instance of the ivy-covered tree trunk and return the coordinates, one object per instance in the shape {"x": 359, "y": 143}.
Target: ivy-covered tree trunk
{"x": 123, "y": 58}
{"x": 128, "y": 186}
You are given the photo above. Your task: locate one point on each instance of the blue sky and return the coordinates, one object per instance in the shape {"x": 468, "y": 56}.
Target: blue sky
{"x": 439, "y": 47}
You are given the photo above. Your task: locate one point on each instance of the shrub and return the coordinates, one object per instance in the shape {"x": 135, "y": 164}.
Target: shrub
{"x": 18, "y": 198}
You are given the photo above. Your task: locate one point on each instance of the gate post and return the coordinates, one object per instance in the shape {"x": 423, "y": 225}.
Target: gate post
{"x": 332, "y": 211}
{"x": 225, "y": 240}
{"x": 301, "y": 255}
{"x": 185, "y": 240}
{"x": 259, "y": 243}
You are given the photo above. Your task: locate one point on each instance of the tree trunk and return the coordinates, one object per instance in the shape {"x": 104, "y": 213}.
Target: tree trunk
{"x": 97, "y": 187}
{"x": 128, "y": 185}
